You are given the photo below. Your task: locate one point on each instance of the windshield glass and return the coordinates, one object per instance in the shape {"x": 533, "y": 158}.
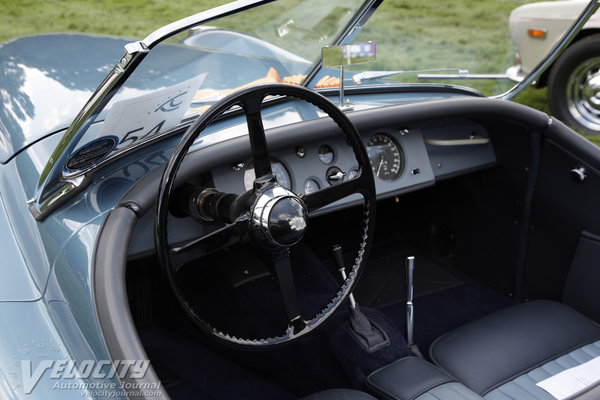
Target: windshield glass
{"x": 182, "y": 76}
{"x": 463, "y": 43}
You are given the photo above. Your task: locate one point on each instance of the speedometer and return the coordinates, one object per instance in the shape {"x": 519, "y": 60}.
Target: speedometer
{"x": 386, "y": 156}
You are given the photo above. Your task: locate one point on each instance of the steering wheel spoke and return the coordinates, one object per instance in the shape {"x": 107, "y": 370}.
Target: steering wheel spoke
{"x": 285, "y": 278}
{"x": 210, "y": 243}
{"x": 331, "y": 194}
{"x": 262, "y": 161}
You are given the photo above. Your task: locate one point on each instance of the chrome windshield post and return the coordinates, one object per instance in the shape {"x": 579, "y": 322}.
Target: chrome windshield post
{"x": 54, "y": 186}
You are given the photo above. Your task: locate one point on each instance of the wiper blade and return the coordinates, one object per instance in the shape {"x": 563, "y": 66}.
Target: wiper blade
{"x": 372, "y": 75}
{"x": 426, "y": 74}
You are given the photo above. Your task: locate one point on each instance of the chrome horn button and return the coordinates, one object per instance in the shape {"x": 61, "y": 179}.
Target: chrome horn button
{"x": 279, "y": 217}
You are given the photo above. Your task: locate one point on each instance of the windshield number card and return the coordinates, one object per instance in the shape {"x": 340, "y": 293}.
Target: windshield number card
{"x": 573, "y": 381}
{"x": 137, "y": 118}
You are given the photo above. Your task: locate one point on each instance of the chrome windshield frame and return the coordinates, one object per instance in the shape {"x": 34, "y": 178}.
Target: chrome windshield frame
{"x": 54, "y": 188}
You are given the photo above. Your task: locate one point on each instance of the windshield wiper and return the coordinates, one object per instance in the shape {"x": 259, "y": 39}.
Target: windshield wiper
{"x": 426, "y": 74}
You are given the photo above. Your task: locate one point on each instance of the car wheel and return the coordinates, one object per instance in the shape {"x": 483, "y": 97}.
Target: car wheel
{"x": 574, "y": 86}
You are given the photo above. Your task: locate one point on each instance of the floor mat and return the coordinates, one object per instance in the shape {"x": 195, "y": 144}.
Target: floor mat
{"x": 444, "y": 299}
{"x": 195, "y": 372}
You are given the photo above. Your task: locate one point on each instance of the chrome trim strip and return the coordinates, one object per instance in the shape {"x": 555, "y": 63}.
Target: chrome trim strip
{"x": 203, "y": 17}
{"x": 551, "y": 57}
{"x": 473, "y": 141}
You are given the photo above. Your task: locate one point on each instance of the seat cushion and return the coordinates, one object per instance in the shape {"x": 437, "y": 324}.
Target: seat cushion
{"x": 525, "y": 387}
{"x": 413, "y": 378}
{"x": 500, "y": 347}
{"x": 339, "y": 394}
{"x": 406, "y": 379}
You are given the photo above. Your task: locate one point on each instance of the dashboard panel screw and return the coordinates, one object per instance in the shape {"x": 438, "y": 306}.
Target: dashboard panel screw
{"x": 300, "y": 152}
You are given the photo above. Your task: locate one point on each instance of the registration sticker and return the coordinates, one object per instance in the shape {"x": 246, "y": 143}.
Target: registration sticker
{"x": 140, "y": 117}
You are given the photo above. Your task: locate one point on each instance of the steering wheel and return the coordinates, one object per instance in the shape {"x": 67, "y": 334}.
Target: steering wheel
{"x": 269, "y": 214}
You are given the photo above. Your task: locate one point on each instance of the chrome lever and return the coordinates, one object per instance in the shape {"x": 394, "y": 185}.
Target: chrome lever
{"x": 410, "y": 309}
{"x": 410, "y": 267}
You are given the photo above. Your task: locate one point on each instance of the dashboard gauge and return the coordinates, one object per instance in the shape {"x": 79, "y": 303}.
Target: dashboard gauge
{"x": 281, "y": 175}
{"x": 326, "y": 154}
{"x": 311, "y": 186}
{"x": 386, "y": 156}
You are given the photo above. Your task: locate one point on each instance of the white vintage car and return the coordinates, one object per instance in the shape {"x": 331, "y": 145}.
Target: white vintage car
{"x": 573, "y": 79}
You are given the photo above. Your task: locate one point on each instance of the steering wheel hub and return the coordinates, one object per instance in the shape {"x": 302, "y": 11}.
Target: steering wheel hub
{"x": 279, "y": 217}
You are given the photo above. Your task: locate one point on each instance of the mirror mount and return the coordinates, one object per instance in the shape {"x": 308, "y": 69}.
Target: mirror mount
{"x": 348, "y": 54}
{"x": 344, "y": 103}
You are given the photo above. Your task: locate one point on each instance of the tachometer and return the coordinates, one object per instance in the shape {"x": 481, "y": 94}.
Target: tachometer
{"x": 386, "y": 156}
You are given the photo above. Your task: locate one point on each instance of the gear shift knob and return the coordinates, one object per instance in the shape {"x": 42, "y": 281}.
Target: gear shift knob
{"x": 338, "y": 258}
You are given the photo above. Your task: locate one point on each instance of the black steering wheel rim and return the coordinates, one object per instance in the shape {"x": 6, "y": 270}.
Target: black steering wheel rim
{"x": 250, "y": 100}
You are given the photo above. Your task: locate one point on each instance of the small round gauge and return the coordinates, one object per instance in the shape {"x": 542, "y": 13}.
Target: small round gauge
{"x": 386, "y": 156}
{"x": 326, "y": 154}
{"x": 281, "y": 175}
{"x": 311, "y": 186}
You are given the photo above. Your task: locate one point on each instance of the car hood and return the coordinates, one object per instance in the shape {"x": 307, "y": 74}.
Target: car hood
{"x": 45, "y": 80}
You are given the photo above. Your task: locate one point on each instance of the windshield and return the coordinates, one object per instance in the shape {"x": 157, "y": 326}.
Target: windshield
{"x": 462, "y": 43}
{"x": 465, "y": 43}
{"x": 184, "y": 75}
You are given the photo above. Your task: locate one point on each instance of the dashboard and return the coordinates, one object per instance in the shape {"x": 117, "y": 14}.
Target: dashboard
{"x": 403, "y": 158}
{"x": 311, "y": 155}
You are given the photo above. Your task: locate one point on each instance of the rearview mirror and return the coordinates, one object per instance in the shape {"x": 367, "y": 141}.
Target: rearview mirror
{"x": 348, "y": 54}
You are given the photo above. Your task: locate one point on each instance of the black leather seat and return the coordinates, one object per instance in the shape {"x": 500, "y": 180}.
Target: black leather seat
{"x": 339, "y": 394}
{"x": 504, "y": 355}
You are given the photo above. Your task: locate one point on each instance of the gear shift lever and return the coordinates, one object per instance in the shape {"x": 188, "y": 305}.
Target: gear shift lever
{"x": 410, "y": 316}
{"x": 368, "y": 334}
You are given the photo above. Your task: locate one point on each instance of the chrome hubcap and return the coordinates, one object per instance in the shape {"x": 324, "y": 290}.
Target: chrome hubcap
{"x": 583, "y": 94}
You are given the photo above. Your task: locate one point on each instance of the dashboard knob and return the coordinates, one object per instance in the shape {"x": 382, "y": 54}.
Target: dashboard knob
{"x": 335, "y": 175}
{"x": 578, "y": 174}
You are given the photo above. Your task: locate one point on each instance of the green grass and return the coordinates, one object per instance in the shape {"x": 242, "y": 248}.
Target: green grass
{"x": 435, "y": 33}
{"x": 130, "y": 18}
